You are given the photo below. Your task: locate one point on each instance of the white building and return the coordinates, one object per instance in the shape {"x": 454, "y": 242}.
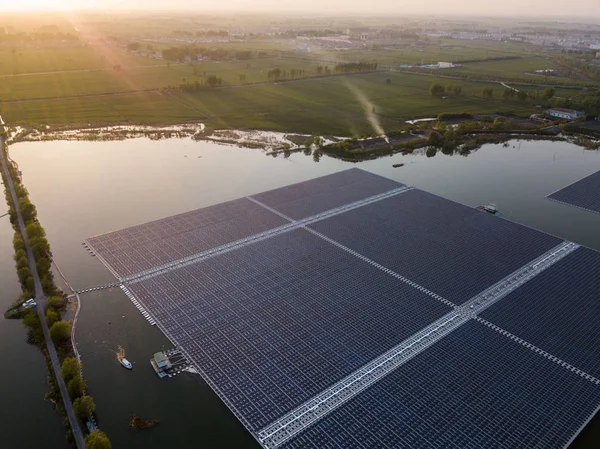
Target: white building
{"x": 564, "y": 113}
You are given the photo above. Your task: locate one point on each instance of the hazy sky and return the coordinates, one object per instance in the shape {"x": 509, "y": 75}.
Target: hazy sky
{"x": 582, "y": 8}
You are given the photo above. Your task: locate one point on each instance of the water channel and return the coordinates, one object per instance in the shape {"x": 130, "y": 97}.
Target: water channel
{"x": 86, "y": 188}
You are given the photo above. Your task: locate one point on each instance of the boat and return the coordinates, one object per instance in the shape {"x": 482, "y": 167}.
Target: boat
{"x": 490, "y": 208}
{"x": 126, "y": 363}
{"x": 398, "y": 165}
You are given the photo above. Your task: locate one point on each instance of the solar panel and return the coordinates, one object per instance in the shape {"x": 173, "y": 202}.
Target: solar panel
{"x": 328, "y": 192}
{"x": 142, "y": 247}
{"x": 344, "y": 312}
{"x": 451, "y": 249}
{"x": 584, "y": 193}
{"x": 276, "y": 322}
{"x": 558, "y": 310}
{"x": 475, "y": 388}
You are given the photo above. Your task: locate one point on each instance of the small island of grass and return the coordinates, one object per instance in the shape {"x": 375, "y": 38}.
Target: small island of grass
{"x": 135, "y": 422}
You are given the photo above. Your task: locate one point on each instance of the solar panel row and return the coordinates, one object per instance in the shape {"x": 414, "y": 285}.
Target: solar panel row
{"x": 142, "y": 247}
{"x": 584, "y": 194}
{"x": 558, "y": 311}
{"x": 451, "y": 249}
{"x": 473, "y": 389}
{"x": 308, "y": 198}
{"x": 281, "y": 320}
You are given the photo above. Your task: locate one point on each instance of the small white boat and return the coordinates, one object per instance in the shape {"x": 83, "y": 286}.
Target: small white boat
{"x": 126, "y": 363}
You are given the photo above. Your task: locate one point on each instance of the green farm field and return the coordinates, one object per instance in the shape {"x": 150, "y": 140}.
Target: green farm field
{"x": 430, "y": 53}
{"x": 513, "y": 68}
{"x": 325, "y": 106}
{"x": 39, "y": 59}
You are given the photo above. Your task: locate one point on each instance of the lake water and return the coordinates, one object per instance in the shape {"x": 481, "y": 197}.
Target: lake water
{"x": 86, "y": 188}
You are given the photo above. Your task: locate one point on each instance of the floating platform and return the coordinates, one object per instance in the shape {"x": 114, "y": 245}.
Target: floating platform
{"x": 169, "y": 363}
{"x": 352, "y": 310}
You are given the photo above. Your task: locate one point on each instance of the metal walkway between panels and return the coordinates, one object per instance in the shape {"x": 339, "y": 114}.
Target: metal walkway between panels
{"x": 327, "y": 401}
{"x": 513, "y": 281}
{"x": 99, "y": 287}
{"x": 260, "y": 236}
{"x": 313, "y": 410}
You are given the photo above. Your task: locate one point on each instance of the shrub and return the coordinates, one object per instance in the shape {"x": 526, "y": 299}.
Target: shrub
{"x": 70, "y": 368}
{"x": 52, "y": 317}
{"x": 76, "y": 387}
{"x": 97, "y": 440}
{"x": 60, "y": 332}
{"x": 83, "y": 406}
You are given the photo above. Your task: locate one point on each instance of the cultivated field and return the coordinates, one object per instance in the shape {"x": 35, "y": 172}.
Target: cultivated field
{"x": 325, "y": 106}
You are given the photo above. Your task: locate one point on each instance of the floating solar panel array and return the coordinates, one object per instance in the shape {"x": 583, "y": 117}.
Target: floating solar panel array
{"x": 354, "y": 311}
{"x": 584, "y": 194}
{"x": 139, "y": 248}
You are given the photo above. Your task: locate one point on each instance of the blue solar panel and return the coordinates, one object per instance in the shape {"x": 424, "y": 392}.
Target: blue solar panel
{"x": 276, "y": 322}
{"x": 451, "y": 249}
{"x": 558, "y": 310}
{"x": 132, "y": 250}
{"x": 318, "y": 195}
{"x": 474, "y": 388}
{"x": 584, "y": 194}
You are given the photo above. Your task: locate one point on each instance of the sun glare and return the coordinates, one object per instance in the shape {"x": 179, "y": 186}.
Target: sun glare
{"x": 36, "y": 5}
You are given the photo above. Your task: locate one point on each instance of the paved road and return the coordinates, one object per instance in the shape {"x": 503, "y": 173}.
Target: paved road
{"x": 40, "y": 298}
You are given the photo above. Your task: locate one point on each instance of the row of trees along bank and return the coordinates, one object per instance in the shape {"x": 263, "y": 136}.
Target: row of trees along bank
{"x": 60, "y": 330}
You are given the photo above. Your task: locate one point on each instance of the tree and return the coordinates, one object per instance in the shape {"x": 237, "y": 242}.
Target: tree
{"x": 23, "y": 274}
{"x": 70, "y": 368}
{"x": 522, "y": 96}
{"x": 318, "y": 141}
{"x": 437, "y": 90}
{"x": 52, "y": 317}
{"x": 548, "y": 93}
{"x": 18, "y": 242}
{"x": 39, "y": 246}
{"x": 388, "y": 81}
{"x": 43, "y": 265}
{"x": 60, "y": 331}
{"x": 28, "y": 210}
{"x": 487, "y": 92}
{"x": 97, "y": 440}
{"x": 508, "y": 93}
{"x": 435, "y": 139}
{"x": 76, "y": 387}
{"x": 213, "y": 81}
{"x": 83, "y": 407}
{"x": 34, "y": 230}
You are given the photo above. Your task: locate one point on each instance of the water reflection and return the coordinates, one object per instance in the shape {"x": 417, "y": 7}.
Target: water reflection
{"x": 87, "y": 188}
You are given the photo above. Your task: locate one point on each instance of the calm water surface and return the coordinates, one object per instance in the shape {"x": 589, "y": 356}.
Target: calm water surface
{"x": 86, "y": 188}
